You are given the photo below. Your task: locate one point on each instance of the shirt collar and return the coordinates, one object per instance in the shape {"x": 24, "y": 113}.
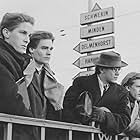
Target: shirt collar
{"x": 38, "y": 67}
{"x": 101, "y": 85}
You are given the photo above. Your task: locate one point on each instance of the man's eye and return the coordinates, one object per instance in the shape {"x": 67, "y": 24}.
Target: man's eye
{"x": 51, "y": 48}
{"x": 23, "y": 32}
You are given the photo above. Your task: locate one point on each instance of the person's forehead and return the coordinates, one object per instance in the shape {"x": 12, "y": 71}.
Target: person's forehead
{"x": 26, "y": 26}
{"x": 136, "y": 82}
{"x": 45, "y": 42}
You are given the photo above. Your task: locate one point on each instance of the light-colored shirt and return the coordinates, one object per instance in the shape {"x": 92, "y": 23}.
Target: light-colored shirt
{"x": 102, "y": 86}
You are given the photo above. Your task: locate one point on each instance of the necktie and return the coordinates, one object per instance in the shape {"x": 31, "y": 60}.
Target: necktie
{"x": 40, "y": 80}
{"x": 42, "y": 75}
{"x": 105, "y": 88}
{"x": 36, "y": 74}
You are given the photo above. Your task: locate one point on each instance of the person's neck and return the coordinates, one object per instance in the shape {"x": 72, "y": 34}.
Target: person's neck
{"x": 103, "y": 79}
{"x": 38, "y": 66}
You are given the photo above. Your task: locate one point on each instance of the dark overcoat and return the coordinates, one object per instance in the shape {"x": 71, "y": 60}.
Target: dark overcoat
{"x": 12, "y": 65}
{"x": 115, "y": 99}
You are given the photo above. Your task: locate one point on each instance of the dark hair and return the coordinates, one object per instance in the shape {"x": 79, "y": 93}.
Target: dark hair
{"x": 36, "y": 37}
{"x": 12, "y": 20}
{"x": 97, "y": 70}
{"x": 130, "y": 82}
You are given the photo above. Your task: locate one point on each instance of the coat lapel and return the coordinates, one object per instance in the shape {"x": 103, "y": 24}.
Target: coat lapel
{"x": 50, "y": 74}
{"x": 95, "y": 89}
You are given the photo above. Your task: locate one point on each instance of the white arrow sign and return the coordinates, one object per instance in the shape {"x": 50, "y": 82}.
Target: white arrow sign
{"x": 95, "y": 45}
{"x": 96, "y": 30}
{"x": 85, "y": 73}
{"x": 86, "y": 61}
{"x": 96, "y": 16}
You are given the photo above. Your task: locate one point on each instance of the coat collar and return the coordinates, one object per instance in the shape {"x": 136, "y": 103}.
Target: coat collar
{"x": 95, "y": 89}
{"x": 49, "y": 72}
{"x": 22, "y": 59}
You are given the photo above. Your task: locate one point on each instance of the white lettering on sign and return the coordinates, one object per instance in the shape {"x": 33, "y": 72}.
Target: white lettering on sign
{"x": 96, "y": 16}
{"x": 96, "y": 30}
{"x": 86, "y": 61}
{"x": 95, "y": 45}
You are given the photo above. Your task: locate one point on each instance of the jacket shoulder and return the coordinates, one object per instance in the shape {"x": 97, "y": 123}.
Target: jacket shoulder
{"x": 119, "y": 88}
{"x": 84, "y": 79}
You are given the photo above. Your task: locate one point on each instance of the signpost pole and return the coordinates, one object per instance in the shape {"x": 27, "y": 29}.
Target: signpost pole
{"x": 90, "y": 4}
{"x": 90, "y": 8}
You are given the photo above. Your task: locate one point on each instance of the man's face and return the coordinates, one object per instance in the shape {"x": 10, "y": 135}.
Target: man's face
{"x": 20, "y": 37}
{"x": 135, "y": 89}
{"x": 110, "y": 74}
{"x": 42, "y": 53}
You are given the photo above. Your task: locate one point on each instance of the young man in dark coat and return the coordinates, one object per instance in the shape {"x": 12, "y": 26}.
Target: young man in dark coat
{"x": 132, "y": 83}
{"x": 16, "y": 29}
{"x": 109, "y": 108}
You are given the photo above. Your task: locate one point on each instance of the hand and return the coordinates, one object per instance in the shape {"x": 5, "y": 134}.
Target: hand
{"x": 98, "y": 114}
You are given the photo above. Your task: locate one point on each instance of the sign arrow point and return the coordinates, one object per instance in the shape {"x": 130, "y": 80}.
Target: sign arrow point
{"x": 77, "y": 48}
{"x": 77, "y": 63}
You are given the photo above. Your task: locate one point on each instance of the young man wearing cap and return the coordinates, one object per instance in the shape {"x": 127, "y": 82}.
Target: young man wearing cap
{"x": 132, "y": 83}
{"x": 109, "y": 108}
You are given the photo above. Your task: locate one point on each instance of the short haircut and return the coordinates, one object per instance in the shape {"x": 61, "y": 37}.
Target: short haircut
{"x": 130, "y": 81}
{"x": 12, "y": 20}
{"x": 97, "y": 70}
{"x": 36, "y": 37}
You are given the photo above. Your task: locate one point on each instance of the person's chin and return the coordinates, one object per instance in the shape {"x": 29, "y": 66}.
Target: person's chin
{"x": 46, "y": 62}
{"x": 22, "y": 52}
{"x": 138, "y": 99}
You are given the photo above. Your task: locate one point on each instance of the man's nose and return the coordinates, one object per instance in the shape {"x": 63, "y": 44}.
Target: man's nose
{"x": 49, "y": 52}
{"x": 27, "y": 39}
{"x": 117, "y": 73}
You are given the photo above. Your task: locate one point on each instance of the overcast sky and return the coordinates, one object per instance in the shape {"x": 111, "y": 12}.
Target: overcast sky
{"x": 56, "y": 15}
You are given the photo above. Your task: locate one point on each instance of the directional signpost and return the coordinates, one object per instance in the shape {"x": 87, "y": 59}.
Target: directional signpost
{"x": 96, "y": 30}
{"x": 95, "y": 45}
{"x": 95, "y": 15}
{"x": 86, "y": 61}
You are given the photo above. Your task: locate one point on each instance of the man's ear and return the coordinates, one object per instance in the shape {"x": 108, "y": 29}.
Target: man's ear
{"x": 31, "y": 50}
{"x": 6, "y": 33}
{"x": 127, "y": 87}
{"x": 101, "y": 70}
